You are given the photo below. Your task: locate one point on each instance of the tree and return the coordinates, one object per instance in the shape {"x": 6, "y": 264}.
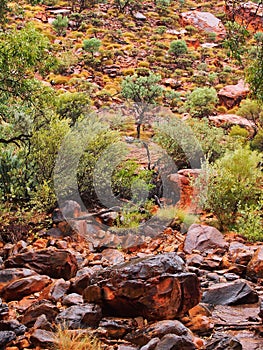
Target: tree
{"x": 201, "y": 102}
{"x": 143, "y": 91}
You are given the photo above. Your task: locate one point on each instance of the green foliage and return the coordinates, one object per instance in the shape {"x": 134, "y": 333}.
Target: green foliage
{"x": 91, "y": 45}
{"x": 233, "y": 182}
{"x": 4, "y": 9}
{"x": 238, "y": 131}
{"x": 72, "y": 105}
{"x": 257, "y": 142}
{"x": 178, "y": 48}
{"x": 142, "y": 89}
{"x": 201, "y": 102}
{"x": 60, "y": 24}
{"x": 130, "y": 182}
{"x": 122, "y": 5}
{"x": 250, "y": 222}
{"x": 235, "y": 41}
{"x": 250, "y": 109}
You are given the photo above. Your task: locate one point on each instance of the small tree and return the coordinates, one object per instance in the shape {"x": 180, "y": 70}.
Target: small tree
{"x": 201, "y": 102}
{"x": 178, "y": 48}
{"x": 60, "y": 24}
{"x": 91, "y": 45}
{"x": 143, "y": 91}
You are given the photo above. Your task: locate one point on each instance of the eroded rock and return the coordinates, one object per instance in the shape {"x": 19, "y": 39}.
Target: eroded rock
{"x": 56, "y": 263}
{"x": 156, "y": 288}
{"x": 231, "y": 95}
{"x": 255, "y": 266}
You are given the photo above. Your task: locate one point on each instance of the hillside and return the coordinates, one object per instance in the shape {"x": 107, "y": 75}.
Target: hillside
{"x": 131, "y": 140}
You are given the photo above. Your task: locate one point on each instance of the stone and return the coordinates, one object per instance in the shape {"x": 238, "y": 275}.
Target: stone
{"x": 43, "y": 323}
{"x": 79, "y": 316}
{"x": 43, "y": 338}
{"x": 222, "y": 341}
{"x": 139, "y": 16}
{"x": 25, "y": 286}
{"x": 4, "y": 311}
{"x": 156, "y": 287}
{"x": 57, "y": 290}
{"x": 238, "y": 255}
{"x": 72, "y": 299}
{"x": 183, "y": 181}
{"x": 260, "y": 314}
{"x": 231, "y": 293}
{"x": 205, "y": 239}
{"x": 10, "y": 275}
{"x": 81, "y": 281}
{"x": 117, "y": 328}
{"x": 6, "y": 337}
{"x": 158, "y": 330}
{"x": 232, "y": 95}
{"x": 255, "y": 266}
{"x": 175, "y": 342}
{"x": 56, "y": 263}
{"x": 221, "y": 120}
{"x": 112, "y": 256}
{"x": 70, "y": 209}
{"x": 14, "y": 326}
{"x": 151, "y": 345}
{"x": 205, "y": 21}
{"x": 42, "y": 307}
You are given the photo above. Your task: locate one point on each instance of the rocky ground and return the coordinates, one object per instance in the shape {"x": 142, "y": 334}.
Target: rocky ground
{"x": 161, "y": 290}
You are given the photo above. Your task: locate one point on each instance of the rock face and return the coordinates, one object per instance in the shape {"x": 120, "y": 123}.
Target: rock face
{"x": 237, "y": 292}
{"x": 232, "y": 119}
{"x": 205, "y": 239}
{"x": 231, "y": 95}
{"x": 205, "y": 21}
{"x": 25, "y": 286}
{"x": 183, "y": 181}
{"x": 56, "y": 263}
{"x": 255, "y": 266}
{"x": 155, "y": 288}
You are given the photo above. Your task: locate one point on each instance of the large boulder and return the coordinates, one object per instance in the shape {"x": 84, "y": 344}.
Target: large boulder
{"x": 231, "y": 95}
{"x": 156, "y": 288}
{"x": 56, "y": 263}
{"x": 255, "y": 266}
{"x": 205, "y": 21}
{"x": 205, "y": 239}
{"x": 233, "y": 119}
{"x": 231, "y": 293}
{"x": 10, "y": 275}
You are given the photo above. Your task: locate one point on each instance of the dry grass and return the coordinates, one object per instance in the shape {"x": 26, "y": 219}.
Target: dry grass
{"x": 75, "y": 340}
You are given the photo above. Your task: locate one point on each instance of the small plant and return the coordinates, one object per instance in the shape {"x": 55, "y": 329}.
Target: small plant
{"x": 201, "y": 102}
{"x": 75, "y": 340}
{"x": 91, "y": 45}
{"x": 178, "y": 48}
{"x": 60, "y": 24}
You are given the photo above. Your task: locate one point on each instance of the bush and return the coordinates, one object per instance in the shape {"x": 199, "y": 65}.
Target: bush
{"x": 201, "y": 102}
{"x": 91, "y": 45}
{"x": 178, "y": 48}
{"x": 233, "y": 182}
{"x": 60, "y": 24}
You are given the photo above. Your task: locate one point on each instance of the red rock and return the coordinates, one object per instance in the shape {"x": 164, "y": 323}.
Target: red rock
{"x": 231, "y": 95}
{"x": 10, "y": 275}
{"x": 205, "y": 239}
{"x": 43, "y": 338}
{"x": 205, "y": 21}
{"x": 25, "y": 286}
{"x": 232, "y": 119}
{"x": 39, "y": 308}
{"x": 56, "y": 263}
{"x": 183, "y": 180}
{"x": 255, "y": 266}
{"x": 155, "y": 288}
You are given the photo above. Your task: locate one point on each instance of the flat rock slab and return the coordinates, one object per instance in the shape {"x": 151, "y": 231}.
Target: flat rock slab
{"x": 237, "y": 292}
{"x": 156, "y": 288}
{"x": 56, "y": 263}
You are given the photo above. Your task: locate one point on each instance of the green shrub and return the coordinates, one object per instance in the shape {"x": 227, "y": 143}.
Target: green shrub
{"x": 257, "y": 142}
{"x": 178, "y": 48}
{"x": 238, "y": 131}
{"x": 201, "y": 102}
{"x": 60, "y": 24}
{"x": 91, "y": 45}
{"x": 233, "y": 182}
